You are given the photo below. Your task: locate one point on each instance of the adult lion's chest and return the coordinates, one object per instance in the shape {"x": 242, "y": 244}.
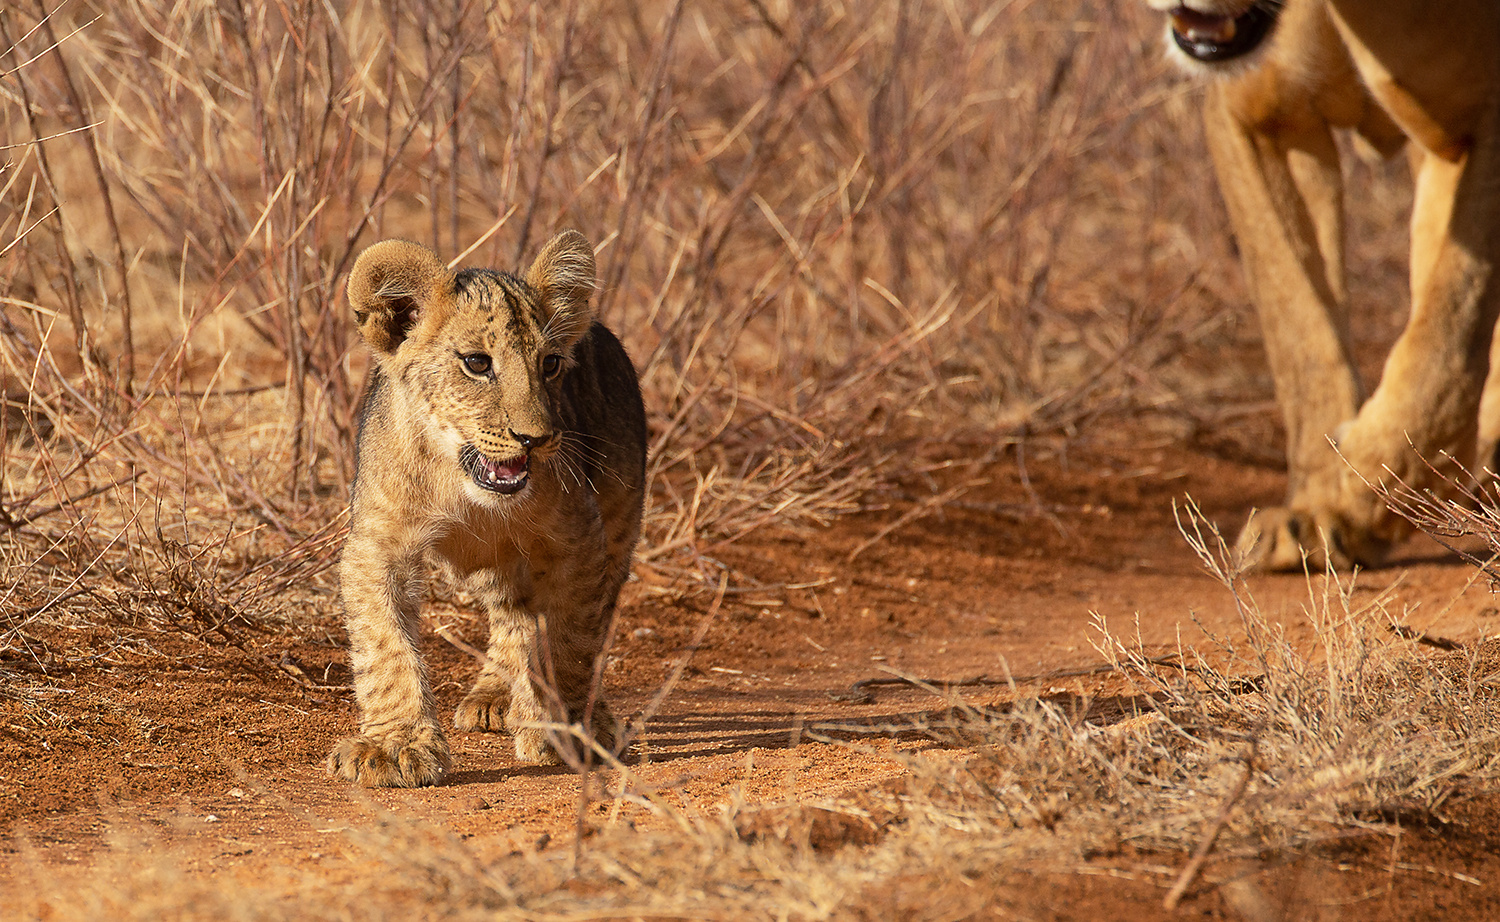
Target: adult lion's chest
{"x": 1430, "y": 66}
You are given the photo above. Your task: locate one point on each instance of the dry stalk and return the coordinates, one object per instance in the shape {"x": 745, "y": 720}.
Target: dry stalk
{"x": 74, "y": 305}
{"x": 1194, "y": 867}
{"x": 88, "y": 125}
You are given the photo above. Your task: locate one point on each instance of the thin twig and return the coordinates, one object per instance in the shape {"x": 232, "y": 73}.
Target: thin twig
{"x": 1195, "y": 865}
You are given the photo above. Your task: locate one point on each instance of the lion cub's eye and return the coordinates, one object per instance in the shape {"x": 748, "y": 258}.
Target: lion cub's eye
{"x": 551, "y": 365}
{"x": 477, "y": 363}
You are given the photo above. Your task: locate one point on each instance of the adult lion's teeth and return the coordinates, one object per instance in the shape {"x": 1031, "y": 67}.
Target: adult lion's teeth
{"x": 1201, "y": 27}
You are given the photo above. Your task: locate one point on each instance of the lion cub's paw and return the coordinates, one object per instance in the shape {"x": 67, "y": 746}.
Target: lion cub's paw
{"x": 408, "y": 760}
{"x": 483, "y": 709}
{"x": 534, "y": 744}
{"x": 1289, "y": 539}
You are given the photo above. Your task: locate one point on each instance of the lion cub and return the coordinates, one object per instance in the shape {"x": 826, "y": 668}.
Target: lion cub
{"x": 503, "y": 438}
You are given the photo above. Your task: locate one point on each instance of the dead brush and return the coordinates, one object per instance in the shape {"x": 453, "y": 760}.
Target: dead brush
{"x": 783, "y": 195}
{"x": 1244, "y": 750}
{"x": 1467, "y": 505}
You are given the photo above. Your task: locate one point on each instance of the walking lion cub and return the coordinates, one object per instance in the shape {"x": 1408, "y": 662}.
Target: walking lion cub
{"x": 503, "y": 438}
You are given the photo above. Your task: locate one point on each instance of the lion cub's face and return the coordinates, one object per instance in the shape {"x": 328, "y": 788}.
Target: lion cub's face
{"x": 477, "y": 356}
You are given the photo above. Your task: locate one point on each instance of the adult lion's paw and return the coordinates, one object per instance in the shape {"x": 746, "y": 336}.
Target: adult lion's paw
{"x": 405, "y": 760}
{"x": 1290, "y": 539}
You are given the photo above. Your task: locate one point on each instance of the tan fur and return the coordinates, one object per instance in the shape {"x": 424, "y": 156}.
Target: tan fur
{"x": 515, "y": 368}
{"x": 1395, "y": 72}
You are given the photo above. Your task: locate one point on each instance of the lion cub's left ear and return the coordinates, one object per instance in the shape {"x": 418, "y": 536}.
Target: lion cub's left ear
{"x": 563, "y": 276}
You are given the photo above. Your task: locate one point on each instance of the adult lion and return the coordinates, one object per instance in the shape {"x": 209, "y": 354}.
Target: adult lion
{"x": 1398, "y": 73}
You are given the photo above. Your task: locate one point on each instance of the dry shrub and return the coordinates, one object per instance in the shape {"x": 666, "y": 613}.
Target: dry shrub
{"x": 1267, "y": 750}
{"x": 1292, "y": 747}
{"x": 1462, "y": 505}
{"x": 827, "y": 232}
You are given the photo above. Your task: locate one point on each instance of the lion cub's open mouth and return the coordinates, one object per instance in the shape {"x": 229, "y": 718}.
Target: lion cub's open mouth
{"x": 507, "y": 475}
{"x": 1209, "y": 38}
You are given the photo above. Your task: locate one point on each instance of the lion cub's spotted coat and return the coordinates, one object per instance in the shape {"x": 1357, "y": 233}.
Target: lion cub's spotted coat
{"x": 503, "y": 438}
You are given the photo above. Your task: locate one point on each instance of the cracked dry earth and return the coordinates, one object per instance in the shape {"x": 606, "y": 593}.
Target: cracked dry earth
{"x": 205, "y": 753}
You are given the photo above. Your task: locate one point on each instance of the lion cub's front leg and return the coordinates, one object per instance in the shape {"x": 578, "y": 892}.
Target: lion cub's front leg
{"x": 575, "y": 605}
{"x": 400, "y": 743}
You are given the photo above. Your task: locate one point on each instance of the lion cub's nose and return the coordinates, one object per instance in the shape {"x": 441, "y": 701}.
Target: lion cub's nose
{"x": 529, "y": 442}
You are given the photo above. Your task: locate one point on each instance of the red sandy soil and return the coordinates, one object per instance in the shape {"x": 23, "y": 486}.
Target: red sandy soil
{"x": 221, "y": 757}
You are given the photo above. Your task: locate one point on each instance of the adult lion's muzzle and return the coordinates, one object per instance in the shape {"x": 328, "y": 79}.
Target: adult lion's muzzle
{"x": 1214, "y": 37}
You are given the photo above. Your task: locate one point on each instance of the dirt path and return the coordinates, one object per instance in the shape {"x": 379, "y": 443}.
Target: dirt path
{"x": 221, "y": 762}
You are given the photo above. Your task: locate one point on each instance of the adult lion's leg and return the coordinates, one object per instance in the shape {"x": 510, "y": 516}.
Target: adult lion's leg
{"x": 1279, "y": 173}
{"x": 1487, "y": 460}
{"x": 1424, "y": 416}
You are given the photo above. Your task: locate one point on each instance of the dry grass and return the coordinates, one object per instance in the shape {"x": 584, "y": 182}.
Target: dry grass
{"x": 828, "y": 232}
{"x": 1250, "y": 747}
{"x": 823, "y": 231}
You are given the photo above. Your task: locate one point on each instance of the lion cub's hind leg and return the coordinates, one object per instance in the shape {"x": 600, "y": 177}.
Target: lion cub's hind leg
{"x": 505, "y": 697}
{"x": 488, "y": 704}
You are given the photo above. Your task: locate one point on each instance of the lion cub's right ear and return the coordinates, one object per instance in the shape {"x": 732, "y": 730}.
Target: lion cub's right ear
{"x": 393, "y": 284}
